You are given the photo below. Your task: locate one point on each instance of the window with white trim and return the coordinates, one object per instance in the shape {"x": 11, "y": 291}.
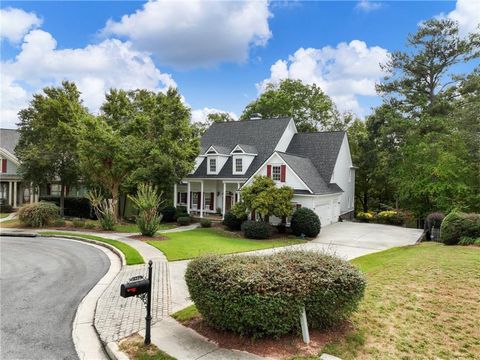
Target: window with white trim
{"x": 55, "y": 189}
{"x": 239, "y": 165}
{"x": 206, "y": 201}
{"x": 276, "y": 171}
{"x": 213, "y": 165}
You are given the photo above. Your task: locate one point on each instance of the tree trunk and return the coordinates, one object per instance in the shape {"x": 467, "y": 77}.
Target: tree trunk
{"x": 62, "y": 200}
{"x": 365, "y": 201}
{"x": 115, "y": 198}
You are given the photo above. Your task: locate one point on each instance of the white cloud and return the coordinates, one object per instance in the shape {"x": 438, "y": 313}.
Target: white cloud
{"x": 94, "y": 68}
{"x": 15, "y": 23}
{"x": 200, "y": 115}
{"x": 187, "y": 34}
{"x": 368, "y": 6}
{"x": 344, "y": 72}
{"x": 467, "y": 13}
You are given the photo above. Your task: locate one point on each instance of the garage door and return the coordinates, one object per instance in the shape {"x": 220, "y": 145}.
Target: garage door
{"x": 324, "y": 212}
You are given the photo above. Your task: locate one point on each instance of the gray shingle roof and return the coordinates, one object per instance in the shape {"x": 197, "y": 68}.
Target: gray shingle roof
{"x": 9, "y": 139}
{"x": 263, "y": 135}
{"x": 321, "y": 148}
{"x": 250, "y": 149}
{"x": 305, "y": 169}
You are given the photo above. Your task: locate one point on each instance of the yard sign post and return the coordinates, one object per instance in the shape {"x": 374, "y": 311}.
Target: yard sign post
{"x": 142, "y": 288}
{"x": 304, "y": 324}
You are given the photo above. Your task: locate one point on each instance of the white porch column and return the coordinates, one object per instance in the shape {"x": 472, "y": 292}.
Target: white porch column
{"x": 10, "y": 193}
{"x": 31, "y": 193}
{"x": 224, "y": 197}
{"x": 202, "y": 199}
{"x": 37, "y": 194}
{"x": 175, "y": 194}
{"x": 14, "y": 194}
{"x": 188, "y": 197}
{"x": 238, "y": 192}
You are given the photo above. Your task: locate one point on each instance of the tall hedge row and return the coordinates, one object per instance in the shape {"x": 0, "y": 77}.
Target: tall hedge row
{"x": 262, "y": 295}
{"x": 457, "y": 225}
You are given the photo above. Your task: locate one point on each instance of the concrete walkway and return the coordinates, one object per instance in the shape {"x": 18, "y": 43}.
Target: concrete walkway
{"x": 10, "y": 216}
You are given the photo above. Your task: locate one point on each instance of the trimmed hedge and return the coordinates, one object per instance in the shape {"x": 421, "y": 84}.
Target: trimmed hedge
{"x": 184, "y": 220}
{"x": 205, "y": 223}
{"x": 80, "y": 223}
{"x": 256, "y": 229}
{"x": 305, "y": 221}
{"x": 38, "y": 214}
{"x": 6, "y": 208}
{"x": 169, "y": 214}
{"x": 457, "y": 225}
{"x": 232, "y": 221}
{"x": 261, "y": 296}
{"x": 75, "y": 207}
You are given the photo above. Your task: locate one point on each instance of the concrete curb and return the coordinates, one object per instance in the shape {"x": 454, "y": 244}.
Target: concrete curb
{"x": 114, "y": 352}
{"x": 17, "y": 234}
{"x": 94, "y": 242}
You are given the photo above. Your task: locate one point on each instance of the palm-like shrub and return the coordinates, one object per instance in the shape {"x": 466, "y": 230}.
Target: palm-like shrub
{"x": 147, "y": 200}
{"x": 103, "y": 209}
{"x": 38, "y": 214}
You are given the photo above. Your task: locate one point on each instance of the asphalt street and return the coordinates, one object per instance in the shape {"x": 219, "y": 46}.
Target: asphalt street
{"x": 43, "y": 280}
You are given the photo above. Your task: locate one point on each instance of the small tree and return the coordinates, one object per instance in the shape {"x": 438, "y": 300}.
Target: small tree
{"x": 147, "y": 200}
{"x": 103, "y": 209}
{"x": 263, "y": 197}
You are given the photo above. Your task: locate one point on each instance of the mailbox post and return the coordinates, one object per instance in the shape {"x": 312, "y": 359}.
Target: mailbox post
{"x": 142, "y": 288}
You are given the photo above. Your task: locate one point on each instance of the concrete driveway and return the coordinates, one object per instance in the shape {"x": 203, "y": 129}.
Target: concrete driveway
{"x": 349, "y": 240}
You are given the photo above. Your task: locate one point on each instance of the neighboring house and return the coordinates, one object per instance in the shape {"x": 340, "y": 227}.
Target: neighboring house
{"x": 13, "y": 190}
{"x": 318, "y": 166}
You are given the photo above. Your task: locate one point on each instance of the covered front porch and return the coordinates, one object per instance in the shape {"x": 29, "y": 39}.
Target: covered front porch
{"x": 204, "y": 196}
{"x": 15, "y": 192}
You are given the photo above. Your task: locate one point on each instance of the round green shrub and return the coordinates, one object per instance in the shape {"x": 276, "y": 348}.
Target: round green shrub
{"x": 184, "y": 220}
{"x": 457, "y": 225}
{"x": 305, "y": 221}
{"x": 58, "y": 222}
{"x": 169, "y": 214}
{"x": 261, "y": 296}
{"x": 38, "y": 214}
{"x": 232, "y": 221}
{"x": 256, "y": 229}
{"x": 80, "y": 223}
{"x": 205, "y": 223}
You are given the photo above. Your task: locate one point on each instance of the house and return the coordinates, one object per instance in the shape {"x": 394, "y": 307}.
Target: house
{"x": 318, "y": 166}
{"x": 13, "y": 189}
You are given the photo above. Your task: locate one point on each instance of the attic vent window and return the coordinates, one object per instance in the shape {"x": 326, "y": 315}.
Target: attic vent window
{"x": 256, "y": 116}
{"x": 238, "y": 151}
{"x": 211, "y": 152}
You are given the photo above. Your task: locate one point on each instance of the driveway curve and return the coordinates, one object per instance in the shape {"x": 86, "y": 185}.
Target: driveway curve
{"x": 43, "y": 280}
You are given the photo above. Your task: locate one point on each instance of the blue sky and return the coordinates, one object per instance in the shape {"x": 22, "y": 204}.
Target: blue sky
{"x": 217, "y": 53}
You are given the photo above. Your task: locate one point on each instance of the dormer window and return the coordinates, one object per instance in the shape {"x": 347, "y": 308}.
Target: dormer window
{"x": 239, "y": 165}
{"x": 213, "y": 165}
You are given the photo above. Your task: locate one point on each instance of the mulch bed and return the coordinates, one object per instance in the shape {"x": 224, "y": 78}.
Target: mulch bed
{"x": 147, "y": 238}
{"x": 284, "y": 347}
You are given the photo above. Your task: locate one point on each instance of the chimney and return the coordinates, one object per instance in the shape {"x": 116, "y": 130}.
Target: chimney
{"x": 256, "y": 116}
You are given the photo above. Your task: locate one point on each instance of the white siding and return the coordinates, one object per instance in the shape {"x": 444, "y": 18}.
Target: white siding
{"x": 291, "y": 179}
{"x": 344, "y": 176}
{"x": 286, "y": 137}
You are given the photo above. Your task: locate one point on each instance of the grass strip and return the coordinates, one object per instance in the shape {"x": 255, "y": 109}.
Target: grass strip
{"x": 132, "y": 256}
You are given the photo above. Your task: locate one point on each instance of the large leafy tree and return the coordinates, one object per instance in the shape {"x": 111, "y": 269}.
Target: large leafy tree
{"x": 140, "y": 136}
{"x": 308, "y": 105}
{"x": 47, "y": 149}
{"x": 419, "y": 78}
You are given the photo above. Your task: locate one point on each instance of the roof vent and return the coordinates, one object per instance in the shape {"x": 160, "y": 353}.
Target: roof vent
{"x": 256, "y": 116}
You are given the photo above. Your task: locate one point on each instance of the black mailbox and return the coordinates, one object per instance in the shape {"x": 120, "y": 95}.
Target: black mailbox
{"x": 134, "y": 288}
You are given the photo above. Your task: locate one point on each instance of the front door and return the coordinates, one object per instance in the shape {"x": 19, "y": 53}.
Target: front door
{"x": 228, "y": 202}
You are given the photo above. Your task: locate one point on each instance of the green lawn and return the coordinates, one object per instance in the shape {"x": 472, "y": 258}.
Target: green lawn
{"x": 133, "y": 228}
{"x": 132, "y": 256}
{"x": 3, "y": 215}
{"x": 193, "y": 243}
{"x": 422, "y": 302}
